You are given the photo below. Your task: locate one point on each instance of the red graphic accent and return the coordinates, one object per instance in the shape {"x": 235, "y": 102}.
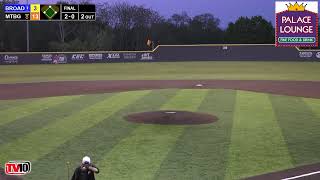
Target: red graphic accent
{"x": 17, "y": 167}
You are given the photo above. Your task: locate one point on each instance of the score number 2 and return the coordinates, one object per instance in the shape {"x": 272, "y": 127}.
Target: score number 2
{"x": 87, "y": 16}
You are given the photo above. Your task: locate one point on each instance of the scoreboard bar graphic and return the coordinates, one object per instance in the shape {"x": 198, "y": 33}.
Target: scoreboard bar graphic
{"x": 49, "y": 12}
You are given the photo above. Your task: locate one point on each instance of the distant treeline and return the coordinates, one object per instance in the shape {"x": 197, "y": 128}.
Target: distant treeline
{"x": 124, "y": 26}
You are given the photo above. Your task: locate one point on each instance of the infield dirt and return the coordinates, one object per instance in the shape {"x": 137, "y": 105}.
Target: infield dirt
{"x": 309, "y": 89}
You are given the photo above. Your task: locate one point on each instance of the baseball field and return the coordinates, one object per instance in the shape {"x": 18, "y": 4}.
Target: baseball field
{"x": 267, "y": 126}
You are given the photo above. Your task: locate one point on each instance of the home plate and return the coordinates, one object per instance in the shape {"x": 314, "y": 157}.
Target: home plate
{"x": 199, "y": 85}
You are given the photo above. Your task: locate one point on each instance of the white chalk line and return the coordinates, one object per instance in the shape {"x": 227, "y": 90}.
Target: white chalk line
{"x": 303, "y": 175}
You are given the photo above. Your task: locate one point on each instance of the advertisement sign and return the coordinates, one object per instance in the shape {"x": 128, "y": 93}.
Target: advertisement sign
{"x": 296, "y": 23}
{"x": 129, "y": 55}
{"x": 305, "y": 54}
{"x": 113, "y": 56}
{"x": 10, "y": 59}
{"x": 146, "y": 56}
{"x": 77, "y": 57}
{"x": 95, "y": 56}
{"x": 46, "y": 57}
{"x": 59, "y": 59}
{"x": 1, "y": 59}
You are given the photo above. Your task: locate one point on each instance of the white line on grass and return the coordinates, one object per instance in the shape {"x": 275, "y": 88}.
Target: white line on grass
{"x": 303, "y": 175}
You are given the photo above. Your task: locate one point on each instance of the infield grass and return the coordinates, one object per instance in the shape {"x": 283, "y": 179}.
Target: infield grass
{"x": 256, "y": 133}
{"x": 257, "y": 143}
{"x": 161, "y": 71}
{"x": 151, "y": 143}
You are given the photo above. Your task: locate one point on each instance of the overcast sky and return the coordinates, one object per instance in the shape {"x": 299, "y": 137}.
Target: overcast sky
{"x": 226, "y": 10}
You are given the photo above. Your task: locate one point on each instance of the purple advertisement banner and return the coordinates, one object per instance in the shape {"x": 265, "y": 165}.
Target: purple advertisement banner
{"x": 167, "y": 54}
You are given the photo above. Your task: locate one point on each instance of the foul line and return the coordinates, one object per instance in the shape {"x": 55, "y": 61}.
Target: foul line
{"x": 303, "y": 175}
{"x": 301, "y": 50}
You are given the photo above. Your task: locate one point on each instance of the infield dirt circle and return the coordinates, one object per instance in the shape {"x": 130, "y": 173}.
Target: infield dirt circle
{"x": 171, "y": 117}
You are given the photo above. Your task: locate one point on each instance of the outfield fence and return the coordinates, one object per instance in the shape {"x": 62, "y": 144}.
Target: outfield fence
{"x": 168, "y": 53}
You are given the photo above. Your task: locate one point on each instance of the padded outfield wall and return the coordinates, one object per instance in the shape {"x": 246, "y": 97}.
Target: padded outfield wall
{"x": 165, "y": 53}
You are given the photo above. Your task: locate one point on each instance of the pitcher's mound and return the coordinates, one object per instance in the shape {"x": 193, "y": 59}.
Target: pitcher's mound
{"x": 171, "y": 117}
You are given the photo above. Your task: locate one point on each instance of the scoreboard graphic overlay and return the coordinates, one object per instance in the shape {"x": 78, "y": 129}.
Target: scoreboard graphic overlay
{"x": 50, "y": 12}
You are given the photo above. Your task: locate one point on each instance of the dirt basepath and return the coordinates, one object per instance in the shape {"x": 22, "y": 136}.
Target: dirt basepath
{"x": 44, "y": 89}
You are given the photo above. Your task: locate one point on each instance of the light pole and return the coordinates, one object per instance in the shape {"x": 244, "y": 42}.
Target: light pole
{"x": 28, "y": 48}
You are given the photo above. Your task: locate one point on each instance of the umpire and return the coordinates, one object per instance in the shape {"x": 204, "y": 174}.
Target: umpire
{"x": 85, "y": 171}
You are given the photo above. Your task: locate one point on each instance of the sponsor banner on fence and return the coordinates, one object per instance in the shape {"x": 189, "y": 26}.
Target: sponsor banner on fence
{"x": 113, "y": 56}
{"x": 78, "y": 57}
{"x": 146, "y": 56}
{"x": 225, "y": 47}
{"x": 305, "y": 54}
{"x": 164, "y": 54}
{"x": 10, "y": 59}
{"x": 129, "y": 56}
{"x": 1, "y": 59}
{"x": 46, "y": 58}
{"x": 95, "y": 57}
{"x": 297, "y": 23}
{"x": 59, "y": 59}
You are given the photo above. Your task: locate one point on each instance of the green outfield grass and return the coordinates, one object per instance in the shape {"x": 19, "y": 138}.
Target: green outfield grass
{"x": 256, "y": 133}
{"x": 172, "y": 70}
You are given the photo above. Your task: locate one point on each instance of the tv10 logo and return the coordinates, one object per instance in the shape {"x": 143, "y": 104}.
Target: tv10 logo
{"x": 296, "y": 23}
{"x": 18, "y": 168}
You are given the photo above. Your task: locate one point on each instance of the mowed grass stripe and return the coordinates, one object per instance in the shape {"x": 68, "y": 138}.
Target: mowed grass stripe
{"x": 20, "y": 111}
{"x": 6, "y": 104}
{"x": 25, "y": 125}
{"x": 42, "y": 141}
{"x": 97, "y": 140}
{"x": 201, "y": 152}
{"x": 140, "y": 155}
{"x": 300, "y": 127}
{"x": 314, "y": 104}
{"x": 257, "y": 145}
{"x": 163, "y": 70}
